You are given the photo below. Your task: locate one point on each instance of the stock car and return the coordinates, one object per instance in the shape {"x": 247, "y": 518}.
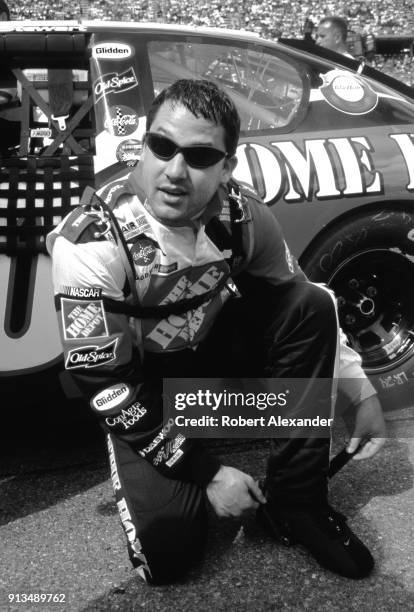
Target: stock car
{"x": 327, "y": 142}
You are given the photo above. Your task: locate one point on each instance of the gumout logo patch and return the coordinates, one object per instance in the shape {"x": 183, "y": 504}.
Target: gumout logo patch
{"x": 129, "y": 150}
{"x": 348, "y": 89}
{"x": 111, "y": 397}
{"x": 345, "y": 92}
{"x": 111, "y": 51}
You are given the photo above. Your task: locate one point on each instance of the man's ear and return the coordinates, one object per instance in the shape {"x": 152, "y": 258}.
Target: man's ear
{"x": 229, "y": 165}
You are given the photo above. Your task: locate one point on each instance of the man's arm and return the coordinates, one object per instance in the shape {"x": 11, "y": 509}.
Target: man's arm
{"x": 99, "y": 353}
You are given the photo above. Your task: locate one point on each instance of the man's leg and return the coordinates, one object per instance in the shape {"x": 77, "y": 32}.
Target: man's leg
{"x": 291, "y": 331}
{"x": 164, "y": 520}
{"x": 300, "y": 341}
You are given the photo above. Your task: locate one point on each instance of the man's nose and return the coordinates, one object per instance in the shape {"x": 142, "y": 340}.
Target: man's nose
{"x": 177, "y": 167}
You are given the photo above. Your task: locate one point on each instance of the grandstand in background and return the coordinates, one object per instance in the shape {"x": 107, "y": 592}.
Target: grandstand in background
{"x": 380, "y": 30}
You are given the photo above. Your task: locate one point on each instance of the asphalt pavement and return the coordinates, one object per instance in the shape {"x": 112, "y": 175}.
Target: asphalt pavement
{"x": 60, "y": 535}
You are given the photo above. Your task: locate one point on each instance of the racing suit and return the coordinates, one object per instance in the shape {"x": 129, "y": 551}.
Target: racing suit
{"x": 118, "y": 360}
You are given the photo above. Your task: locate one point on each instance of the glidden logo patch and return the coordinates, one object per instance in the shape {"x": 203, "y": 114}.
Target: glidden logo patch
{"x": 111, "y": 397}
{"x": 111, "y": 51}
{"x": 91, "y": 356}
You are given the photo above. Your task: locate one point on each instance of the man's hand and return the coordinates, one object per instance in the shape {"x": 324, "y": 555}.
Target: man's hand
{"x": 232, "y": 492}
{"x": 369, "y": 424}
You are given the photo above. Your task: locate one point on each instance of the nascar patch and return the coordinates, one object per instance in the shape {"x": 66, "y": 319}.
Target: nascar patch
{"x": 81, "y": 292}
{"x": 83, "y": 319}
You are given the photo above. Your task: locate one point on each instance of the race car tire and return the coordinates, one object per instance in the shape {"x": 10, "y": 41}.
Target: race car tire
{"x": 368, "y": 261}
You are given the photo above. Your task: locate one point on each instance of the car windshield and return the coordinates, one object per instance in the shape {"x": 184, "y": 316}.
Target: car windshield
{"x": 267, "y": 90}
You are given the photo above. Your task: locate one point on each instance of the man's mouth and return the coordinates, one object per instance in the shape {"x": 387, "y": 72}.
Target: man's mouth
{"x": 173, "y": 191}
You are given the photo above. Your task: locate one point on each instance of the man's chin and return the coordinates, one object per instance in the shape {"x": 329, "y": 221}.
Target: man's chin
{"x": 170, "y": 215}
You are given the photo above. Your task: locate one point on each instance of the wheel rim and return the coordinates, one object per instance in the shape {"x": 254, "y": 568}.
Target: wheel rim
{"x": 375, "y": 296}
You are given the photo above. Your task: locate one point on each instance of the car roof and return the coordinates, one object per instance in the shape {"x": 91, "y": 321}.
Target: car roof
{"x": 297, "y": 47}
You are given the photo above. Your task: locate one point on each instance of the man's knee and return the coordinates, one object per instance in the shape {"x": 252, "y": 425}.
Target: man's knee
{"x": 169, "y": 546}
{"x": 317, "y": 306}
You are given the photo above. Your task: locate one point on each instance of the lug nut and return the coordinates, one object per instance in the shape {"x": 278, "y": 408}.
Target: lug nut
{"x": 341, "y": 301}
{"x": 353, "y": 283}
{"x": 371, "y": 292}
{"x": 350, "y": 319}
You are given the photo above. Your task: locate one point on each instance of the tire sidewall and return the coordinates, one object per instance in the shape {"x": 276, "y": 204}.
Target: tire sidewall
{"x": 384, "y": 229}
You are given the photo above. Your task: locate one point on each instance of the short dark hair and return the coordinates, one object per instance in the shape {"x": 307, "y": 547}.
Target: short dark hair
{"x": 202, "y": 97}
{"x": 338, "y": 23}
{"x": 4, "y": 9}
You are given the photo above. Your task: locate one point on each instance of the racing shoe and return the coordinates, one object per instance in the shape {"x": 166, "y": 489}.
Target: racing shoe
{"x": 324, "y": 533}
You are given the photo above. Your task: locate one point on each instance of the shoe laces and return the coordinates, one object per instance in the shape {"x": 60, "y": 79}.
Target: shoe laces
{"x": 330, "y": 520}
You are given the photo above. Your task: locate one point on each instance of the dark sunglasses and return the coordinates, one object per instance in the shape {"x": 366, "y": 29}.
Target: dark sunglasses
{"x": 196, "y": 157}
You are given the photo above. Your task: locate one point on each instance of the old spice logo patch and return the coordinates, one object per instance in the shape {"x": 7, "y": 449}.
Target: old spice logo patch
{"x": 347, "y": 93}
{"x": 143, "y": 252}
{"x": 91, "y": 356}
{"x": 114, "y": 82}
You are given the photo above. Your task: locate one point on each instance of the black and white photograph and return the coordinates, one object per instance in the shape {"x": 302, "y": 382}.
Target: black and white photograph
{"x": 206, "y": 305}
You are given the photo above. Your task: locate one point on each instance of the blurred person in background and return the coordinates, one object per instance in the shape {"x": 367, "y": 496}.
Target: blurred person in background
{"x": 332, "y": 34}
{"x": 4, "y": 11}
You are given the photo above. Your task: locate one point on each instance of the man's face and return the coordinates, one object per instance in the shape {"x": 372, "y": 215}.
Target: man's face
{"x": 327, "y": 36}
{"x": 177, "y": 193}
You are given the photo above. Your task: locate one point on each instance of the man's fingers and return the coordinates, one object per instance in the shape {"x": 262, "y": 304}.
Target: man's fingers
{"x": 255, "y": 491}
{"x": 353, "y": 445}
{"x": 370, "y": 448}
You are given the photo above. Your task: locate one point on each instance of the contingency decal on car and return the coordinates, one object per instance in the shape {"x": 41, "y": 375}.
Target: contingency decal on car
{"x": 112, "y": 51}
{"x": 346, "y": 93}
{"x": 119, "y": 108}
{"x": 114, "y": 82}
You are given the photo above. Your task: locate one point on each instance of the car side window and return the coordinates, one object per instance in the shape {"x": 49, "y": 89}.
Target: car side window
{"x": 269, "y": 92}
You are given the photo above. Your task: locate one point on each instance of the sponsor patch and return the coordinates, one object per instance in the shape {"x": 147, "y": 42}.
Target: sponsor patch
{"x": 129, "y": 151}
{"x": 112, "y": 51}
{"x": 116, "y": 483}
{"x": 83, "y": 319}
{"x": 41, "y": 132}
{"x": 81, "y": 292}
{"x": 121, "y": 120}
{"x": 158, "y": 438}
{"x": 115, "y": 83}
{"x": 169, "y": 451}
{"x": 111, "y": 397}
{"x": 347, "y": 93}
{"x": 143, "y": 252}
{"x": 91, "y": 356}
{"x": 174, "y": 458}
{"x": 162, "y": 269}
{"x": 128, "y": 416}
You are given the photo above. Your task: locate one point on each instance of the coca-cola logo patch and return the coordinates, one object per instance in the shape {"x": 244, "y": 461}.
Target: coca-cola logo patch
{"x": 143, "y": 252}
{"x": 121, "y": 120}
